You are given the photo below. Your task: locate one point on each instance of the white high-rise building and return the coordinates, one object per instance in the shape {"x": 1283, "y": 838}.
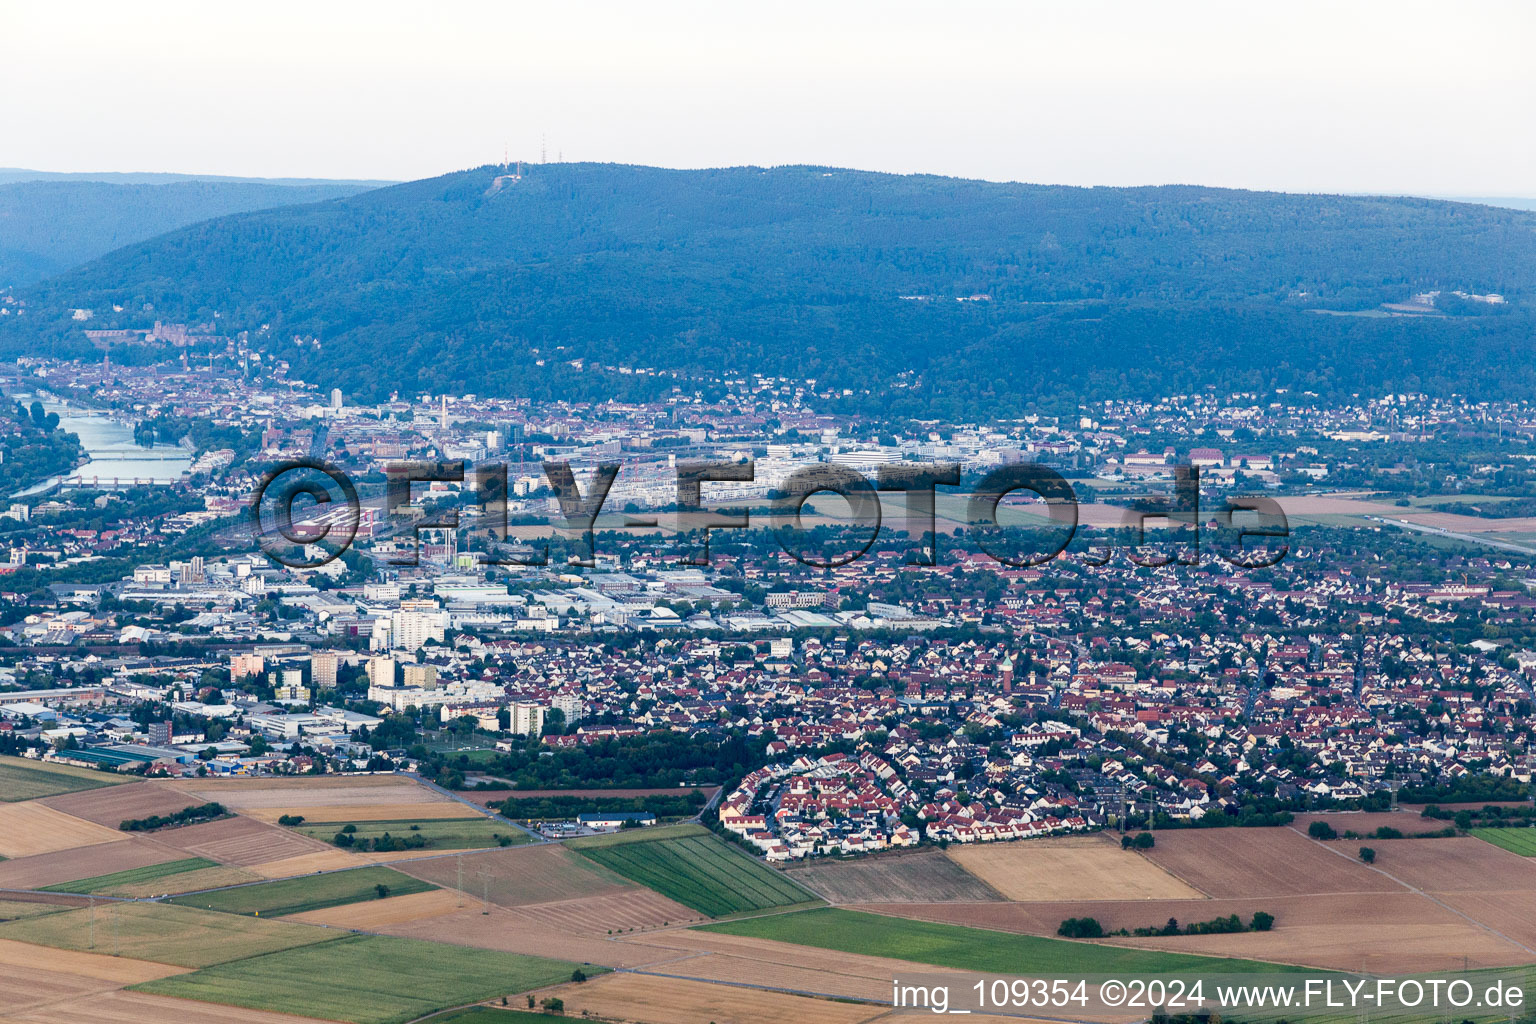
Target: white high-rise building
{"x": 527, "y": 718}
{"x": 335, "y": 398}
{"x": 410, "y": 629}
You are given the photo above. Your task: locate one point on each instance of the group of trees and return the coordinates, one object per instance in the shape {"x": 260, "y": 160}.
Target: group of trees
{"x": 1091, "y": 928}
{"x": 185, "y": 816}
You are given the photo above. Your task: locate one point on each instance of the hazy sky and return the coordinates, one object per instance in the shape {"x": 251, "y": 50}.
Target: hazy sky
{"x": 1393, "y": 96}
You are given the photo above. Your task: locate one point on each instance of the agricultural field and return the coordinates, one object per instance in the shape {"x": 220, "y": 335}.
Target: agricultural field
{"x": 30, "y": 829}
{"x": 460, "y": 833}
{"x": 112, "y": 806}
{"x": 284, "y": 796}
{"x": 926, "y": 876}
{"x": 123, "y": 1007}
{"x": 83, "y": 862}
{"x": 112, "y": 884}
{"x": 628, "y": 911}
{"x": 366, "y": 979}
{"x": 532, "y": 874}
{"x": 645, "y": 999}
{"x": 375, "y": 915}
{"x": 161, "y": 933}
{"x": 16, "y": 910}
{"x": 35, "y": 979}
{"x": 344, "y": 813}
{"x": 1242, "y": 862}
{"x": 689, "y": 865}
{"x": 490, "y": 1015}
{"x": 968, "y": 949}
{"x": 22, "y": 778}
{"x": 1516, "y": 840}
{"x": 305, "y": 893}
{"x": 240, "y": 841}
{"x": 1090, "y": 867}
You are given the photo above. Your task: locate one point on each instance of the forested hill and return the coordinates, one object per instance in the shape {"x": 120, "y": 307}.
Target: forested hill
{"x": 51, "y": 225}
{"x": 470, "y": 283}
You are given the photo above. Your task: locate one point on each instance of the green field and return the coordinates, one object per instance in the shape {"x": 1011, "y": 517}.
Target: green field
{"x": 307, "y": 892}
{"x": 367, "y": 979}
{"x": 491, "y": 1015}
{"x": 472, "y": 833}
{"x": 165, "y": 934}
{"x": 1515, "y": 840}
{"x": 972, "y": 949}
{"x": 133, "y": 876}
{"x": 24, "y": 779}
{"x": 694, "y": 868}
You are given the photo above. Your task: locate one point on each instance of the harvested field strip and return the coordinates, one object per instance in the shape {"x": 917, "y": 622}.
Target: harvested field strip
{"x": 308, "y": 892}
{"x": 1068, "y": 868}
{"x": 29, "y": 829}
{"x": 599, "y": 915}
{"x": 700, "y": 872}
{"x": 312, "y": 813}
{"x": 373, "y": 915}
{"x": 305, "y": 864}
{"x": 22, "y": 778}
{"x": 133, "y": 877}
{"x": 367, "y": 979}
{"x": 1515, "y": 840}
{"x": 111, "y": 806}
{"x": 534, "y": 874}
{"x": 458, "y": 833}
{"x": 121, "y": 1007}
{"x": 21, "y": 956}
{"x": 83, "y": 862}
{"x": 238, "y": 841}
{"x": 969, "y": 949}
{"x": 923, "y": 877}
{"x": 651, "y": 1000}
{"x": 162, "y": 933}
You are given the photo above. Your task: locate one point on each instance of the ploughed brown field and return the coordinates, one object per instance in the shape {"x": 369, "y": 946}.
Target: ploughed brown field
{"x": 1409, "y": 823}
{"x": 239, "y": 841}
{"x": 599, "y": 915}
{"x": 921, "y": 876}
{"x": 1237, "y": 862}
{"x": 116, "y": 804}
{"x": 84, "y": 862}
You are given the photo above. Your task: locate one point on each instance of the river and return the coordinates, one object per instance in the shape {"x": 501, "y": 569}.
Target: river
{"x": 115, "y": 460}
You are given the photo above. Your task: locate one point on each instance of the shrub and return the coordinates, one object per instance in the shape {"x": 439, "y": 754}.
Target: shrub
{"x": 1143, "y": 841}
{"x": 1368, "y": 855}
{"x": 1321, "y": 830}
{"x": 1262, "y": 922}
{"x": 291, "y": 820}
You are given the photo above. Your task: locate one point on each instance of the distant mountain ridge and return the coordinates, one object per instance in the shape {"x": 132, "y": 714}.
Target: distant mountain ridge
{"x": 919, "y": 294}
{"x": 12, "y": 175}
{"x": 52, "y": 222}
